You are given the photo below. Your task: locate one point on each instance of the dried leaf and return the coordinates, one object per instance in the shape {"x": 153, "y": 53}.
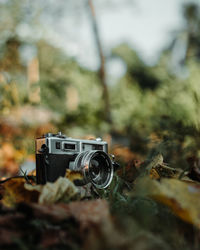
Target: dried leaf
{"x": 8, "y": 159}
{"x": 129, "y": 172}
{"x": 157, "y": 160}
{"x": 14, "y": 192}
{"x": 124, "y": 153}
{"x": 7, "y": 236}
{"x": 154, "y": 174}
{"x": 182, "y": 197}
{"x": 95, "y": 225}
{"x": 157, "y": 169}
{"x": 160, "y": 171}
{"x": 62, "y": 190}
{"x": 85, "y": 212}
{"x": 73, "y": 175}
{"x": 194, "y": 170}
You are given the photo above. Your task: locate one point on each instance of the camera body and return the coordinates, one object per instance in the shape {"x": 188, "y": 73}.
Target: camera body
{"x": 56, "y": 152}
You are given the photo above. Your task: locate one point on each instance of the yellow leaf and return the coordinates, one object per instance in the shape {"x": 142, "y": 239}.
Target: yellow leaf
{"x": 14, "y": 192}
{"x": 182, "y": 197}
{"x": 73, "y": 175}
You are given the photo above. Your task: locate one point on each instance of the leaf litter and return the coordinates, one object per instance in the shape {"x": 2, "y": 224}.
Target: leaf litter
{"x": 81, "y": 218}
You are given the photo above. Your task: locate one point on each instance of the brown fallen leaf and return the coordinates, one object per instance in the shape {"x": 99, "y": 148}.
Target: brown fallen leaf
{"x": 129, "y": 172}
{"x": 54, "y": 237}
{"x": 182, "y": 197}
{"x": 94, "y": 224}
{"x": 74, "y": 175}
{"x": 62, "y": 190}
{"x": 157, "y": 169}
{"x": 32, "y": 172}
{"x": 10, "y": 227}
{"x": 7, "y": 236}
{"x": 13, "y": 192}
{"x": 163, "y": 171}
{"x": 194, "y": 168}
{"x": 16, "y": 190}
{"x": 86, "y": 212}
{"x": 155, "y": 161}
{"x": 124, "y": 154}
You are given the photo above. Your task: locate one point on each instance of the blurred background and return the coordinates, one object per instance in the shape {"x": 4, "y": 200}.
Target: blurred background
{"x": 125, "y": 70}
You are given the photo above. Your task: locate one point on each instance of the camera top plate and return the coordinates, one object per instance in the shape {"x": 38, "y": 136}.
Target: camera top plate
{"x": 59, "y": 135}
{"x": 62, "y": 144}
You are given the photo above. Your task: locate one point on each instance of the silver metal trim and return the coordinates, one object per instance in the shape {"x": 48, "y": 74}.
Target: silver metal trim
{"x": 50, "y": 141}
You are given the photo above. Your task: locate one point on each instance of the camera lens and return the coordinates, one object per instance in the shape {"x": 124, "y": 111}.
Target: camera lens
{"x": 96, "y": 167}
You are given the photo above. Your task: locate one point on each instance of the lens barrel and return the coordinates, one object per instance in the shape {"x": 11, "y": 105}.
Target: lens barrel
{"x": 96, "y": 167}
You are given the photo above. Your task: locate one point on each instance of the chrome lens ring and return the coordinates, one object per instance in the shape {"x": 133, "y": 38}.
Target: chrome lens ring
{"x": 96, "y": 167}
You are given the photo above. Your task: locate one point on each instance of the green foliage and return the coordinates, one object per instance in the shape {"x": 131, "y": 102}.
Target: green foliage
{"x": 137, "y": 71}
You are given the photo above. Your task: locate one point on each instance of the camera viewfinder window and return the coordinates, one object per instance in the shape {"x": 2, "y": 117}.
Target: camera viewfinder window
{"x": 57, "y": 145}
{"x": 69, "y": 146}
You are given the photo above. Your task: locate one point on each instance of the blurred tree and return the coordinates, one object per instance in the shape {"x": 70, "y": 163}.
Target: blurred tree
{"x": 191, "y": 13}
{"x": 102, "y": 73}
{"x": 10, "y": 58}
{"x": 186, "y": 42}
{"x": 136, "y": 69}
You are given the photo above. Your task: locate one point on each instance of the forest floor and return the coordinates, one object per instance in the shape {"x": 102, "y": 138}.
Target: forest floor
{"x": 148, "y": 205}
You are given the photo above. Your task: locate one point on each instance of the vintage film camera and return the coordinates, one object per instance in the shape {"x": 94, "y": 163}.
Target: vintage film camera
{"x": 57, "y": 152}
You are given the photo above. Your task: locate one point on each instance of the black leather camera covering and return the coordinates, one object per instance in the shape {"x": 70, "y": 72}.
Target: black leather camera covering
{"x": 49, "y": 167}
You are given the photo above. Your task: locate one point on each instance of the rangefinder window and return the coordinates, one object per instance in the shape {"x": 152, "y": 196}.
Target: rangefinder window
{"x": 97, "y": 147}
{"x": 92, "y": 146}
{"x": 68, "y": 146}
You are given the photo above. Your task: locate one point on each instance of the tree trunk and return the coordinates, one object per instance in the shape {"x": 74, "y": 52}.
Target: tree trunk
{"x": 102, "y": 74}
